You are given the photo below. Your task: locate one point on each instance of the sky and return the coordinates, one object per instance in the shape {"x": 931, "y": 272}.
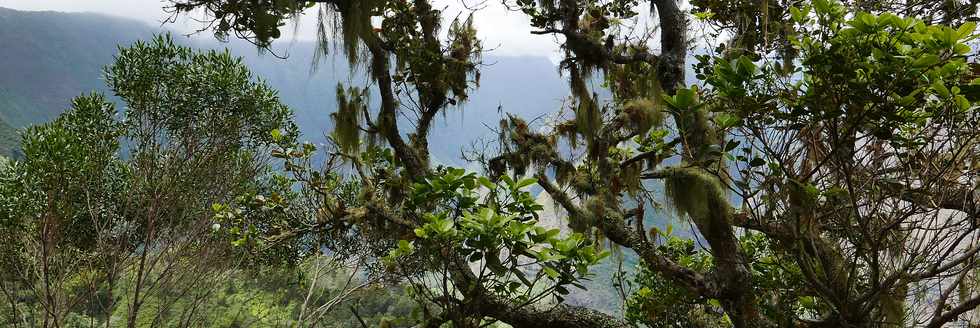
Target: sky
{"x": 507, "y": 33}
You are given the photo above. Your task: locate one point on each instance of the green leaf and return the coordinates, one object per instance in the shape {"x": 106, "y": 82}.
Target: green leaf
{"x": 444, "y": 225}
{"x": 962, "y": 102}
{"x": 405, "y": 246}
{"x": 493, "y": 263}
{"x": 685, "y": 98}
{"x": 926, "y": 61}
{"x": 731, "y": 145}
{"x": 821, "y": 6}
{"x": 745, "y": 67}
{"x": 520, "y": 276}
{"x": 796, "y": 14}
{"x": 966, "y": 29}
{"x": 961, "y": 49}
{"x": 602, "y": 255}
{"x": 890, "y": 20}
{"x": 726, "y": 120}
{"x": 940, "y": 89}
{"x": 484, "y": 181}
{"x": 864, "y": 22}
{"x": 525, "y": 182}
{"x": 550, "y": 272}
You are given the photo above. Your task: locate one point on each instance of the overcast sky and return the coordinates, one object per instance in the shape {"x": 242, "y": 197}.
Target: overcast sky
{"x": 504, "y": 31}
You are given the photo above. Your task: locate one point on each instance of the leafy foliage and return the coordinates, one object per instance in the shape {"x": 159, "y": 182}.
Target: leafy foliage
{"x": 90, "y": 217}
{"x": 829, "y": 175}
{"x": 499, "y": 234}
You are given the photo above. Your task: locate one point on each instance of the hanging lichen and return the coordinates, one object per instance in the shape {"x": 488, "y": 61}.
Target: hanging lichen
{"x": 803, "y": 198}
{"x": 633, "y": 80}
{"x": 355, "y": 23}
{"x": 630, "y": 177}
{"x": 569, "y": 131}
{"x": 696, "y": 194}
{"x": 465, "y": 50}
{"x": 350, "y": 104}
{"x": 592, "y": 25}
{"x": 698, "y": 134}
{"x": 594, "y": 209}
{"x": 347, "y": 22}
{"x": 582, "y": 183}
{"x": 564, "y": 172}
{"x": 588, "y": 118}
{"x": 642, "y": 114}
{"x": 576, "y": 81}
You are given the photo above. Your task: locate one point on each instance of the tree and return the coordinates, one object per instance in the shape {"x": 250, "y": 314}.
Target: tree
{"x": 58, "y": 204}
{"x": 106, "y": 210}
{"x": 829, "y": 143}
{"x": 199, "y": 124}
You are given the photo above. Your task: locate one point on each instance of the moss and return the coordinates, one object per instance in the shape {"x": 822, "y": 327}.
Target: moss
{"x": 355, "y": 21}
{"x": 695, "y": 193}
{"x": 893, "y": 307}
{"x": 581, "y": 223}
{"x": 564, "y": 172}
{"x": 588, "y": 119}
{"x": 350, "y": 104}
{"x": 630, "y": 176}
{"x": 465, "y": 49}
{"x": 569, "y": 131}
{"x": 643, "y": 114}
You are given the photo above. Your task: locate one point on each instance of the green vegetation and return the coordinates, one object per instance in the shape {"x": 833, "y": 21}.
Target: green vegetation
{"x": 826, "y": 160}
{"x": 264, "y": 298}
{"x": 86, "y": 220}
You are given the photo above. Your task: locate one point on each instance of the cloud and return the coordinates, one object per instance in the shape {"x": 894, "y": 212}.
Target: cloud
{"x": 505, "y": 31}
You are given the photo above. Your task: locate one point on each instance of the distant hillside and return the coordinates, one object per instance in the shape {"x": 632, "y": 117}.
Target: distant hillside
{"x": 9, "y": 141}
{"x": 49, "y": 57}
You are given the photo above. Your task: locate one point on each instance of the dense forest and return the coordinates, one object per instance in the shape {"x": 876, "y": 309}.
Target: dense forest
{"x": 703, "y": 163}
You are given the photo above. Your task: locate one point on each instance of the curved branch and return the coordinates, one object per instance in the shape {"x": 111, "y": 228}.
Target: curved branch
{"x": 618, "y": 232}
